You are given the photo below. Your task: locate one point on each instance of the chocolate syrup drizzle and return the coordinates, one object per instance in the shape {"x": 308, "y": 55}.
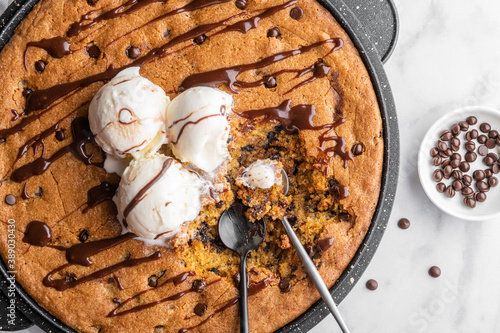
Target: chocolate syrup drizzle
{"x": 37, "y": 233}
{"x": 192, "y": 6}
{"x": 100, "y": 193}
{"x": 57, "y": 47}
{"x": 81, "y": 137}
{"x": 122, "y": 10}
{"x": 176, "y": 280}
{"x": 228, "y": 76}
{"x": 299, "y": 118}
{"x": 252, "y": 290}
{"x": 152, "y": 304}
{"x": 63, "y": 284}
{"x": 142, "y": 193}
{"x": 80, "y": 254}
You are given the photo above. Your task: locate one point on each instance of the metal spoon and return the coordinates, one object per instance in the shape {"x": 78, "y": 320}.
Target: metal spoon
{"x": 311, "y": 268}
{"x": 241, "y": 236}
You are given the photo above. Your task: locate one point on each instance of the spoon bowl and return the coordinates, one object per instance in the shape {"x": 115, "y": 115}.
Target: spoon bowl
{"x": 241, "y": 236}
{"x": 238, "y": 233}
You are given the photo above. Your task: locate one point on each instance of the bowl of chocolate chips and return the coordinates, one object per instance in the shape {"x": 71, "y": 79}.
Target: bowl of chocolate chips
{"x": 459, "y": 163}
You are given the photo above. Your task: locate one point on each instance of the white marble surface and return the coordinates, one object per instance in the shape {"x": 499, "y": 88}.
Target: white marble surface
{"x": 448, "y": 55}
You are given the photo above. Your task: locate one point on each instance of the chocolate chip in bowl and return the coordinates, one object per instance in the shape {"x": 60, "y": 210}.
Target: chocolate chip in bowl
{"x": 463, "y": 183}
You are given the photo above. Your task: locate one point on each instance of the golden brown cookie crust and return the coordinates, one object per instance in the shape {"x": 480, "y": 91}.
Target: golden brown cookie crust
{"x": 347, "y": 90}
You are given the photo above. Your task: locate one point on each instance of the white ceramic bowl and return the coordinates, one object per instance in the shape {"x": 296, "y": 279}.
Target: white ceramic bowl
{"x": 455, "y": 206}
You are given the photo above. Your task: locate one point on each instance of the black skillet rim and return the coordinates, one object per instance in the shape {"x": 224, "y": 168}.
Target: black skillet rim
{"x": 16, "y": 12}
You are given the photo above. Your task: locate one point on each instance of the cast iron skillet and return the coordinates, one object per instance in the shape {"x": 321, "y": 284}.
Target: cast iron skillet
{"x": 373, "y": 27}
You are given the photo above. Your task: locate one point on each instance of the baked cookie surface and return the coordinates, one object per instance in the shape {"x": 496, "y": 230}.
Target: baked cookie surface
{"x": 302, "y": 97}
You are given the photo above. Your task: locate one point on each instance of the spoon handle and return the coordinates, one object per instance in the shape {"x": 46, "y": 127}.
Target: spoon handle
{"x": 315, "y": 276}
{"x": 243, "y": 295}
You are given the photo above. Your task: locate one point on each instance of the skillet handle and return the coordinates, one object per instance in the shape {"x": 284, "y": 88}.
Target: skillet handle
{"x": 380, "y": 21}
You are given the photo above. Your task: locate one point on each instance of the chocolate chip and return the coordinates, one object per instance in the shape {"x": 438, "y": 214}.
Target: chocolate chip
{"x": 493, "y": 134}
{"x": 344, "y": 217}
{"x": 470, "y": 146}
{"x": 470, "y": 202}
{"x": 495, "y": 168}
{"x": 372, "y": 284}
{"x": 60, "y": 135}
{"x": 479, "y": 175}
{"x": 309, "y": 249}
{"x": 493, "y": 156}
{"x": 153, "y": 281}
{"x": 220, "y": 204}
{"x": 93, "y": 51}
{"x": 443, "y": 154}
{"x": 285, "y": 285}
{"x": 92, "y": 2}
{"x": 83, "y": 236}
{"x": 441, "y": 187}
{"x": 437, "y": 175}
{"x": 450, "y": 192}
{"x": 40, "y": 66}
{"x": 296, "y": 13}
{"x": 292, "y": 219}
{"x": 200, "y": 39}
{"x": 434, "y": 152}
{"x": 493, "y": 181}
{"x": 482, "y": 186}
{"x": 497, "y": 141}
{"x": 456, "y": 156}
{"x": 447, "y": 171}
{"x": 457, "y": 185}
{"x": 455, "y": 129}
{"x": 442, "y": 146}
{"x": 485, "y": 127}
{"x": 10, "y": 200}
{"x": 467, "y": 191}
{"x": 490, "y": 143}
{"x": 241, "y": 4}
{"x": 488, "y": 173}
{"x": 445, "y": 135}
{"x": 435, "y": 271}
{"x": 455, "y": 163}
{"x": 270, "y": 82}
{"x": 445, "y": 163}
{"x": 70, "y": 277}
{"x": 404, "y": 223}
{"x": 274, "y": 32}
{"x": 39, "y": 192}
{"x": 464, "y": 166}
{"x": 472, "y": 134}
{"x": 357, "y": 149}
{"x": 455, "y": 142}
{"x": 470, "y": 156}
{"x": 457, "y": 174}
{"x": 166, "y": 34}
{"x": 481, "y": 197}
{"x": 200, "y": 309}
{"x": 117, "y": 300}
{"x": 482, "y": 150}
{"x": 467, "y": 180}
{"x": 464, "y": 126}
{"x": 489, "y": 161}
{"x": 472, "y": 120}
{"x": 199, "y": 285}
{"x": 27, "y": 92}
{"x": 133, "y": 52}
{"x": 482, "y": 139}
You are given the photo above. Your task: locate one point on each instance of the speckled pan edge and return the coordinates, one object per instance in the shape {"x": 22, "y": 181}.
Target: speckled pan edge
{"x": 17, "y": 11}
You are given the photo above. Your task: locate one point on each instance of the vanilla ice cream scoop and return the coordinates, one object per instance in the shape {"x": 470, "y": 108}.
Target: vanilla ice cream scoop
{"x": 198, "y": 128}
{"x": 127, "y": 115}
{"x": 262, "y": 174}
{"x": 157, "y": 195}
